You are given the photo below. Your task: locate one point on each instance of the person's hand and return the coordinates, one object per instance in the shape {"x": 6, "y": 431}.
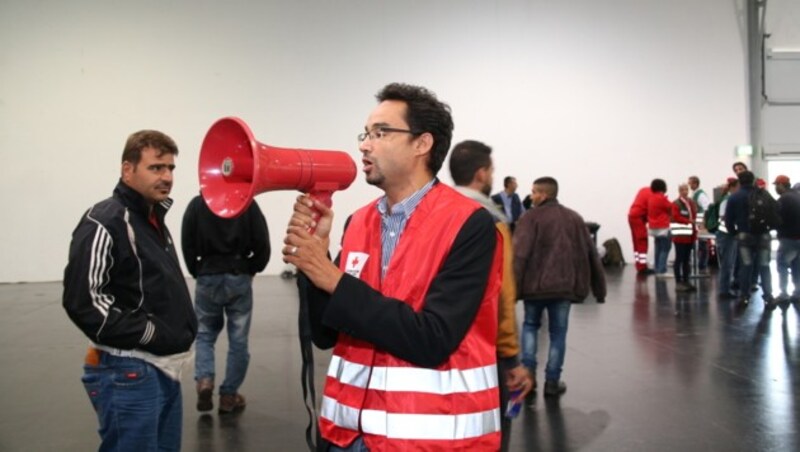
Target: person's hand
{"x": 313, "y": 215}
{"x": 309, "y": 251}
{"x": 519, "y": 378}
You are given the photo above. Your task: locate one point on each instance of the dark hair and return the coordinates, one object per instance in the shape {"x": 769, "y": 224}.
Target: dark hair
{"x": 467, "y": 158}
{"x": 694, "y": 179}
{"x": 746, "y": 178}
{"x": 549, "y": 185}
{"x": 424, "y": 113}
{"x": 735, "y": 164}
{"x": 142, "y": 139}
{"x": 507, "y": 180}
{"x": 658, "y": 186}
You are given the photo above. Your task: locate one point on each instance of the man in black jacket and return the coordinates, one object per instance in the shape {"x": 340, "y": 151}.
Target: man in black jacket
{"x": 223, "y": 254}
{"x": 789, "y": 238}
{"x": 124, "y": 288}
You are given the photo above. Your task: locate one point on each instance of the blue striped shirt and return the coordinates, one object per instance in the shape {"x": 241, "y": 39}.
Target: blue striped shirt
{"x": 393, "y": 223}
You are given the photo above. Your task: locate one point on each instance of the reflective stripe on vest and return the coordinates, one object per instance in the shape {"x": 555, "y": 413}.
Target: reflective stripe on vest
{"x": 413, "y": 426}
{"x": 413, "y": 379}
{"x": 681, "y": 229}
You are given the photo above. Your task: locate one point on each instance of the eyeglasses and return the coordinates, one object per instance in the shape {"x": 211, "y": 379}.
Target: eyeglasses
{"x": 380, "y": 132}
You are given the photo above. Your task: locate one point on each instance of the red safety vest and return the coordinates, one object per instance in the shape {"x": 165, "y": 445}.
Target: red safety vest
{"x": 396, "y": 405}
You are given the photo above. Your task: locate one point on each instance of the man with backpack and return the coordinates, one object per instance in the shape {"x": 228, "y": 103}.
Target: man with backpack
{"x": 750, "y": 214}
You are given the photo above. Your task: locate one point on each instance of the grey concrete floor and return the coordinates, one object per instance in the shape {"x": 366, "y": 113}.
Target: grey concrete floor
{"x": 650, "y": 370}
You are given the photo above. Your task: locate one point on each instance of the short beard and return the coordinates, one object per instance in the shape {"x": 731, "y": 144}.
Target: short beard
{"x": 377, "y": 181}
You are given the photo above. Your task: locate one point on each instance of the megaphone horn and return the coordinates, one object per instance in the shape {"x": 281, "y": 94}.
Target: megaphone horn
{"x": 234, "y": 167}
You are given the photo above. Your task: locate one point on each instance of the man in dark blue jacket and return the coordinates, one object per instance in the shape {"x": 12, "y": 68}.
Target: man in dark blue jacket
{"x": 789, "y": 238}
{"x": 124, "y": 288}
{"x": 754, "y": 248}
{"x": 508, "y": 201}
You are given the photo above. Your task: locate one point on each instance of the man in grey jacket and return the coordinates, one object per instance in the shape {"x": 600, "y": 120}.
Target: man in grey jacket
{"x": 555, "y": 264}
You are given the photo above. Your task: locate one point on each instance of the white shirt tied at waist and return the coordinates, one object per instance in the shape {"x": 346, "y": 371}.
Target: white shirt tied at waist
{"x": 171, "y": 365}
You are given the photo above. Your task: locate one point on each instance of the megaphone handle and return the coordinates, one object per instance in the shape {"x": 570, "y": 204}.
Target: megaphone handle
{"x": 325, "y": 198}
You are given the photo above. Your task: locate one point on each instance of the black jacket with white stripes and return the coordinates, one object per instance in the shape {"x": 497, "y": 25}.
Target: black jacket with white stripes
{"x": 123, "y": 285}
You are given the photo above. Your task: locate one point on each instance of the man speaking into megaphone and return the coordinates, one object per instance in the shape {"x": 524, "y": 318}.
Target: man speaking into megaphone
{"x": 410, "y": 303}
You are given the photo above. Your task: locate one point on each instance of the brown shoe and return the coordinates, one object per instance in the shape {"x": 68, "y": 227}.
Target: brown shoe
{"x": 231, "y": 403}
{"x": 205, "y": 391}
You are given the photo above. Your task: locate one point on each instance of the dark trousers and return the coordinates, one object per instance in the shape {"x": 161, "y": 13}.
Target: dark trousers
{"x": 683, "y": 252}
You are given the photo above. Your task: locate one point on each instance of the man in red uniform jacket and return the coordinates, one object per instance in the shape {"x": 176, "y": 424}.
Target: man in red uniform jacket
{"x": 637, "y": 219}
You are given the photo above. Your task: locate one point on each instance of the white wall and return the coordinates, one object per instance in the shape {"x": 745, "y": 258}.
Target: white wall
{"x": 604, "y": 96}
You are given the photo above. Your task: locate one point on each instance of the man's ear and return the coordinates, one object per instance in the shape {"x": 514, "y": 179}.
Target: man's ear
{"x": 127, "y": 169}
{"x": 423, "y": 143}
{"x": 480, "y": 175}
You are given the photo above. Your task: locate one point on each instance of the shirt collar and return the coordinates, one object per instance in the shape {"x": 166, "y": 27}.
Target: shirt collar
{"x": 406, "y": 207}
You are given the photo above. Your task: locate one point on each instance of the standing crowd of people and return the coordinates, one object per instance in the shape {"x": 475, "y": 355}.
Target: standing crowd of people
{"x": 740, "y": 221}
{"x": 419, "y": 303}
{"x": 418, "y": 306}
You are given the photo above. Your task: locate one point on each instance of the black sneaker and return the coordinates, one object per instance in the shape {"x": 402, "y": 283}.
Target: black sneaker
{"x": 554, "y": 388}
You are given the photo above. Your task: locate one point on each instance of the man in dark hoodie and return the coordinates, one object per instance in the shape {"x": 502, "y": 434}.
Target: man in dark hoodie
{"x": 555, "y": 264}
{"x": 223, "y": 254}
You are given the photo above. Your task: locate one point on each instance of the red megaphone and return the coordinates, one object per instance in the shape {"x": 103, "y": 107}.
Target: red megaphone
{"x": 234, "y": 167}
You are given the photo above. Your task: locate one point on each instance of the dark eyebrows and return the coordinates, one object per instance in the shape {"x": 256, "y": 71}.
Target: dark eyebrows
{"x": 377, "y": 125}
{"x": 161, "y": 166}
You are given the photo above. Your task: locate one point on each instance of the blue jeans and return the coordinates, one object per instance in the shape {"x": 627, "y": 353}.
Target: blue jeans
{"x": 789, "y": 260}
{"x": 702, "y": 254}
{"x": 139, "y": 408}
{"x": 754, "y": 252}
{"x": 558, "y": 321}
{"x": 662, "y": 246}
{"x": 726, "y": 253}
{"x": 216, "y": 297}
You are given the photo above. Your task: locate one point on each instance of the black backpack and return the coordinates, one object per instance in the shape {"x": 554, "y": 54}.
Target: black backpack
{"x": 763, "y": 213}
